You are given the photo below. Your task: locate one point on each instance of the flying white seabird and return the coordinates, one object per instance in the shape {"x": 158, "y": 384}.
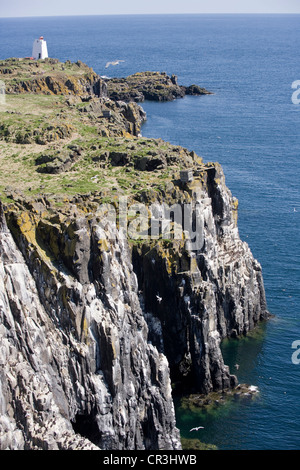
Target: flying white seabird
{"x": 114, "y": 62}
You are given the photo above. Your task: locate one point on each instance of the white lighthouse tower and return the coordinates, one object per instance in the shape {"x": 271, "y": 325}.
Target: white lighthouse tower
{"x": 39, "y": 49}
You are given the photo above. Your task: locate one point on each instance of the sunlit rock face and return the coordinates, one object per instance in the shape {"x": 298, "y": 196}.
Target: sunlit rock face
{"x": 77, "y": 371}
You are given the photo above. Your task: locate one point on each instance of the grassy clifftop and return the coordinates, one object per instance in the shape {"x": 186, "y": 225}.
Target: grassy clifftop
{"x": 61, "y": 134}
{"x": 48, "y": 76}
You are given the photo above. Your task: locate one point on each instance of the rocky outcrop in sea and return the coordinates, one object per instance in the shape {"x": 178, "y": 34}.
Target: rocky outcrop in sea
{"x": 152, "y": 86}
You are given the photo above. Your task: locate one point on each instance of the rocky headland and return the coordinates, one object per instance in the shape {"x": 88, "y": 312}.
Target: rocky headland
{"x": 98, "y": 325}
{"x": 153, "y": 86}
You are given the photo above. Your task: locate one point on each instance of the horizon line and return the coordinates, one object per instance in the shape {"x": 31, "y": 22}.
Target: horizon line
{"x": 151, "y": 14}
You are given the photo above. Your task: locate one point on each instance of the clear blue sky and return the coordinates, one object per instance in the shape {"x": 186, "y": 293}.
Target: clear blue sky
{"x": 104, "y": 7}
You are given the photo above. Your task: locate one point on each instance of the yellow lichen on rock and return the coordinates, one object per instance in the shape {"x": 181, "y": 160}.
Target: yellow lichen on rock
{"x": 27, "y": 226}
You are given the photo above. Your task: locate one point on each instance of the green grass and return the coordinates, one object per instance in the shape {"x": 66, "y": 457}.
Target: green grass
{"x": 37, "y": 118}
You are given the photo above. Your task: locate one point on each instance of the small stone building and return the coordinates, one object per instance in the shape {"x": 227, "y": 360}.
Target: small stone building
{"x": 186, "y": 176}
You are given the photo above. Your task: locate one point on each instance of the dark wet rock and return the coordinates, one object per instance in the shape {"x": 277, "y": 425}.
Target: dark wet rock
{"x": 56, "y": 162}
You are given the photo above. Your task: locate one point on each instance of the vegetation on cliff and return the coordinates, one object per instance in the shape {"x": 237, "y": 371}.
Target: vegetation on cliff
{"x": 61, "y": 134}
{"x": 50, "y": 77}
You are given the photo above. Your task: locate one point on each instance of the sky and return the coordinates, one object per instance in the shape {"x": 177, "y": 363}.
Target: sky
{"x": 16, "y": 8}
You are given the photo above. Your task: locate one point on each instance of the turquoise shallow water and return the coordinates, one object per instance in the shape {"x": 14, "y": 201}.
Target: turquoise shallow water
{"x": 250, "y": 126}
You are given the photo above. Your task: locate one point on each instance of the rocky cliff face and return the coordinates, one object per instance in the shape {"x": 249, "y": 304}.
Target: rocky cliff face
{"x": 96, "y": 324}
{"x": 93, "y": 333}
{"x": 77, "y": 371}
{"x": 204, "y": 295}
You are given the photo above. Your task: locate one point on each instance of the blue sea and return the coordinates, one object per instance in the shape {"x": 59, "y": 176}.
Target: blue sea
{"x": 251, "y": 126}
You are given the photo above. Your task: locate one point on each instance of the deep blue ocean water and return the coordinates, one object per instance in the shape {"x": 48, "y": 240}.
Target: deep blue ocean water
{"x": 250, "y": 126}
